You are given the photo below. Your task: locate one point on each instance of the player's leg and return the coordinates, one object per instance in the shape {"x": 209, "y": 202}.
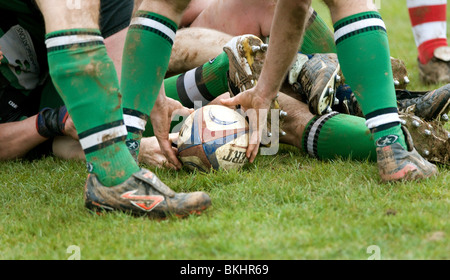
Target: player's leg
{"x": 195, "y": 46}
{"x": 429, "y": 24}
{"x": 86, "y": 79}
{"x": 199, "y": 86}
{"x": 325, "y": 137}
{"x": 146, "y": 56}
{"x": 363, "y": 51}
{"x": 318, "y": 37}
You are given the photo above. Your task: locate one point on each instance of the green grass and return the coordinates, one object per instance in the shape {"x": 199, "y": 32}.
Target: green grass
{"x": 287, "y": 206}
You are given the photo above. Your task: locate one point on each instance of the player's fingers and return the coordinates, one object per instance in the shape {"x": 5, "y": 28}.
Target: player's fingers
{"x": 184, "y": 111}
{"x": 170, "y": 154}
{"x": 253, "y": 146}
{"x": 233, "y": 101}
{"x": 180, "y": 110}
{"x": 254, "y": 153}
{"x": 168, "y": 165}
{"x": 176, "y": 108}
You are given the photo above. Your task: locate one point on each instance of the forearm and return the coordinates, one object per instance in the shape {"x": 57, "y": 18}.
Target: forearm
{"x": 285, "y": 37}
{"x": 18, "y": 138}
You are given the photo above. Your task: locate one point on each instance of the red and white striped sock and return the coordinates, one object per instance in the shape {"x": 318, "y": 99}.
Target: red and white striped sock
{"x": 428, "y": 19}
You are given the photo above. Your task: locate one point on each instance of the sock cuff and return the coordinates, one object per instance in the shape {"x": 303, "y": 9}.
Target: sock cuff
{"x": 358, "y": 24}
{"x": 383, "y": 117}
{"x": 102, "y": 136}
{"x": 134, "y": 120}
{"x": 192, "y": 89}
{"x": 66, "y": 39}
{"x": 312, "y": 132}
{"x": 155, "y": 23}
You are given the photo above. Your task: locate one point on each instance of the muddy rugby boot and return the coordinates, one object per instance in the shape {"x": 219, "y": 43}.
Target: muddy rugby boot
{"x": 143, "y": 194}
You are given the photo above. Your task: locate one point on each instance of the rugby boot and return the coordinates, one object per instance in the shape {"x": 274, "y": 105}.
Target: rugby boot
{"x": 395, "y": 163}
{"x": 316, "y": 80}
{"x": 246, "y": 56}
{"x": 430, "y": 105}
{"x": 437, "y": 70}
{"x": 430, "y": 139}
{"x": 400, "y": 73}
{"x": 143, "y": 194}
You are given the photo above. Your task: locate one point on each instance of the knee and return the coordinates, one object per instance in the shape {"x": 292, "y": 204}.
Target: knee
{"x": 331, "y": 3}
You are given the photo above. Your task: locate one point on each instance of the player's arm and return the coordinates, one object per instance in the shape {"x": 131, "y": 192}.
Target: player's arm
{"x": 17, "y": 139}
{"x": 20, "y": 137}
{"x": 285, "y": 36}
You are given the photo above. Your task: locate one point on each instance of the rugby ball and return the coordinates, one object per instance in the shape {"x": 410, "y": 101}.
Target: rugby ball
{"x": 213, "y": 137}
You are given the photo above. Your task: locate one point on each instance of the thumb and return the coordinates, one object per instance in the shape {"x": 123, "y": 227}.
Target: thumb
{"x": 179, "y": 109}
{"x": 183, "y": 111}
{"x": 233, "y": 101}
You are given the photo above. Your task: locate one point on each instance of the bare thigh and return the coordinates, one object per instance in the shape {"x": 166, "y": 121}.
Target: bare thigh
{"x": 194, "y": 47}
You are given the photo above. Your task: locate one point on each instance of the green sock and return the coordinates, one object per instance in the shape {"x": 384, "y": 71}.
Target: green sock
{"x": 86, "y": 80}
{"x": 318, "y": 37}
{"x": 197, "y": 87}
{"x": 363, "y": 52}
{"x": 337, "y": 135}
{"x": 145, "y": 61}
{"x": 202, "y": 84}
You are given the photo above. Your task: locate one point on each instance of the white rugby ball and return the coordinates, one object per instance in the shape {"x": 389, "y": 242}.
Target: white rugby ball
{"x": 213, "y": 137}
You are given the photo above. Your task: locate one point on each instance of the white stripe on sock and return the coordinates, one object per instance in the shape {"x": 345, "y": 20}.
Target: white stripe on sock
{"x": 420, "y": 3}
{"x": 102, "y": 136}
{"x": 429, "y": 31}
{"x": 382, "y": 119}
{"x": 71, "y": 39}
{"x": 134, "y": 121}
{"x": 154, "y": 24}
{"x": 312, "y": 134}
{"x": 191, "y": 88}
{"x": 357, "y": 26}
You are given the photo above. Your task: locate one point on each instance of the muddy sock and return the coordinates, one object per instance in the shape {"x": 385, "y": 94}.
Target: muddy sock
{"x": 147, "y": 51}
{"x": 363, "y": 52}
{"x": 86, "y": 80}
{"x": 337, "y": 135}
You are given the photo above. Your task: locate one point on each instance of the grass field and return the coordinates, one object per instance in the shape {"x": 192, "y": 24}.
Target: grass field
{"x": 284, "y": 207}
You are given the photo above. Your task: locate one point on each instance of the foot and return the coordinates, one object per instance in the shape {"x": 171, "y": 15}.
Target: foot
{"x": 246, "y": 56}
{"x": 143, "y": 194}
{"x": 395, "y": 163}
{"x": 315, "y": 78}
{"x": 427, "y": 105}
{"x": 437, "y": 70}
